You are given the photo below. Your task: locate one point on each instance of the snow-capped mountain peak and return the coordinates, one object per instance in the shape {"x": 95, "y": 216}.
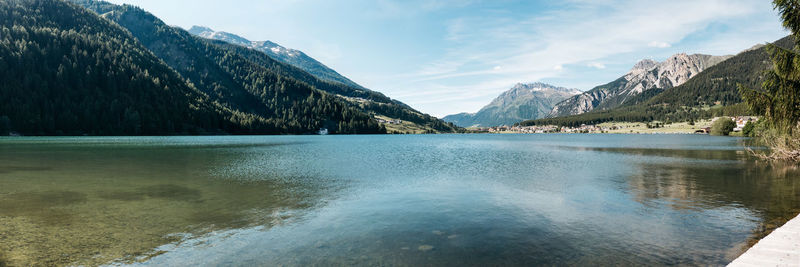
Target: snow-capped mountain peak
{"x": 287, "y": 55}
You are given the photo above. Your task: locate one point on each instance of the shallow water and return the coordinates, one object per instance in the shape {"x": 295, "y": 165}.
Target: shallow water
{"x": 387, "y": 200}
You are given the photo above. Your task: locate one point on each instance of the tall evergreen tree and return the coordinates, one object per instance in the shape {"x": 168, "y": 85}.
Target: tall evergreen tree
{"x": 778, "y": 100}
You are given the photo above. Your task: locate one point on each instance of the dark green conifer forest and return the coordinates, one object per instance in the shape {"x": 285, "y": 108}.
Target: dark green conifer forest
{"x": 95, "y": 68}
{"x": 65, "y": 71}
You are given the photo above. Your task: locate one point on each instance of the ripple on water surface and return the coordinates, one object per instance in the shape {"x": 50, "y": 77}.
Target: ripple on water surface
{"x": 386, "y": 200}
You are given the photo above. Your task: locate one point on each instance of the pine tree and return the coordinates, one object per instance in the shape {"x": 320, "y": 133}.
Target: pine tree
{"x": 778, "y": 100}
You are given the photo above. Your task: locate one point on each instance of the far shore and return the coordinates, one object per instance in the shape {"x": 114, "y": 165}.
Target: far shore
{"x": 655, "y": 127}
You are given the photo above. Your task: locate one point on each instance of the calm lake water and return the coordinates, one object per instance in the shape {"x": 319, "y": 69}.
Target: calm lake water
{"x": 387, "y": 200}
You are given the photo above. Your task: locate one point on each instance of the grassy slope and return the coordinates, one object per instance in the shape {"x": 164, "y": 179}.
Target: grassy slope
{"x": 716, "y": 86}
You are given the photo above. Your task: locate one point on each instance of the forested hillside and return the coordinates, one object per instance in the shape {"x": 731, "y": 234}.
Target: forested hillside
{"x": 246, "y": 79}
{"x": 718, "y": 84}
{"x": 289, "y": 56}
{"x": 713, "y": 92}
{"x": 237, "y": 82}
{"x": 287, "y": 70}
{"x": 368, "y": 101}
{"x": 64, "y": 70}
{"x": 645, "y": 75}
{"x": 371, "y": 102}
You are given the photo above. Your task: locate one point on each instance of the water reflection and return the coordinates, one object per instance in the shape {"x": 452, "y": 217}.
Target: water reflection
{"x": 461, "y": 200}
{"x": 726, "y": 178}
{"x": 706, "y": 154}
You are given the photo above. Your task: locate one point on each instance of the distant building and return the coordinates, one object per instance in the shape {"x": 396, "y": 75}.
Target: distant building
{"x": 741, "y": 121}
{"x": 389, "y": 121}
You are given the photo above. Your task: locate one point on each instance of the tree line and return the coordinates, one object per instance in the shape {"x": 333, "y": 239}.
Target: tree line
{"x": 66, "y": 70}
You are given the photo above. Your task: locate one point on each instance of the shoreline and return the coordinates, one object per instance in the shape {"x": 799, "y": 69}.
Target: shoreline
{"x": 780, "y": 247}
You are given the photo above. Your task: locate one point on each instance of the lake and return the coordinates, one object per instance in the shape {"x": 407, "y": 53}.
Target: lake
{"x": 387, "y": 200}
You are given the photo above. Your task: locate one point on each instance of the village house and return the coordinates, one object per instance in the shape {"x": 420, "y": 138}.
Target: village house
{"x": 741, "y": 121}
{"x": 389, "y": 121}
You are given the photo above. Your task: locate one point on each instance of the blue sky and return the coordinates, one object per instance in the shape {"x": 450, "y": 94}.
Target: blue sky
{"x": 447, "y": 56}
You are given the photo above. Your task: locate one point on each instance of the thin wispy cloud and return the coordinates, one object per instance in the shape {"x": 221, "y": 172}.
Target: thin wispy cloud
{"x": 449, "y": 56}
{"x": 659, "y": 44}
{"x": 576, "y": 33}
{"x": 596, "y": 65}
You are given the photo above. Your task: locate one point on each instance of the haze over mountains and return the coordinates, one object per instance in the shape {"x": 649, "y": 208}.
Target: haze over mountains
{"x": 521, "y": 102}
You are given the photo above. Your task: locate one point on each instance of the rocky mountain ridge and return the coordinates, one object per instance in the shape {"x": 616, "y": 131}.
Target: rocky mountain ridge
{"x": 287, "y": 55}
{"x": 521, "y": 102}
{"x": 645, "y": 75}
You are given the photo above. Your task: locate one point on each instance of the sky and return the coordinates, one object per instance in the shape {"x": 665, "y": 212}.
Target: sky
{"x": 449, "y": 56}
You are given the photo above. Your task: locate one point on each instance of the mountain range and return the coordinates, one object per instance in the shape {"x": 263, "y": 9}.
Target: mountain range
{"x": 644, "y": 76}
{"x": 92, "y": 67}
{"x": 682, "y": 87}
{"x": 521, "y": 102}
{"x": 316, "y": 73}
{"x": 712, "y": 92}
{"x": 289, "y": 56}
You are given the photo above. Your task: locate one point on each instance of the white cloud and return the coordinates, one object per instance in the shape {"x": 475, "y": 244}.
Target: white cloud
{"x": 440, "y": 56}
{"x": 596, "y": 65}
{"x": 659, "y": 44}
{"x": 541, "y": 46}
